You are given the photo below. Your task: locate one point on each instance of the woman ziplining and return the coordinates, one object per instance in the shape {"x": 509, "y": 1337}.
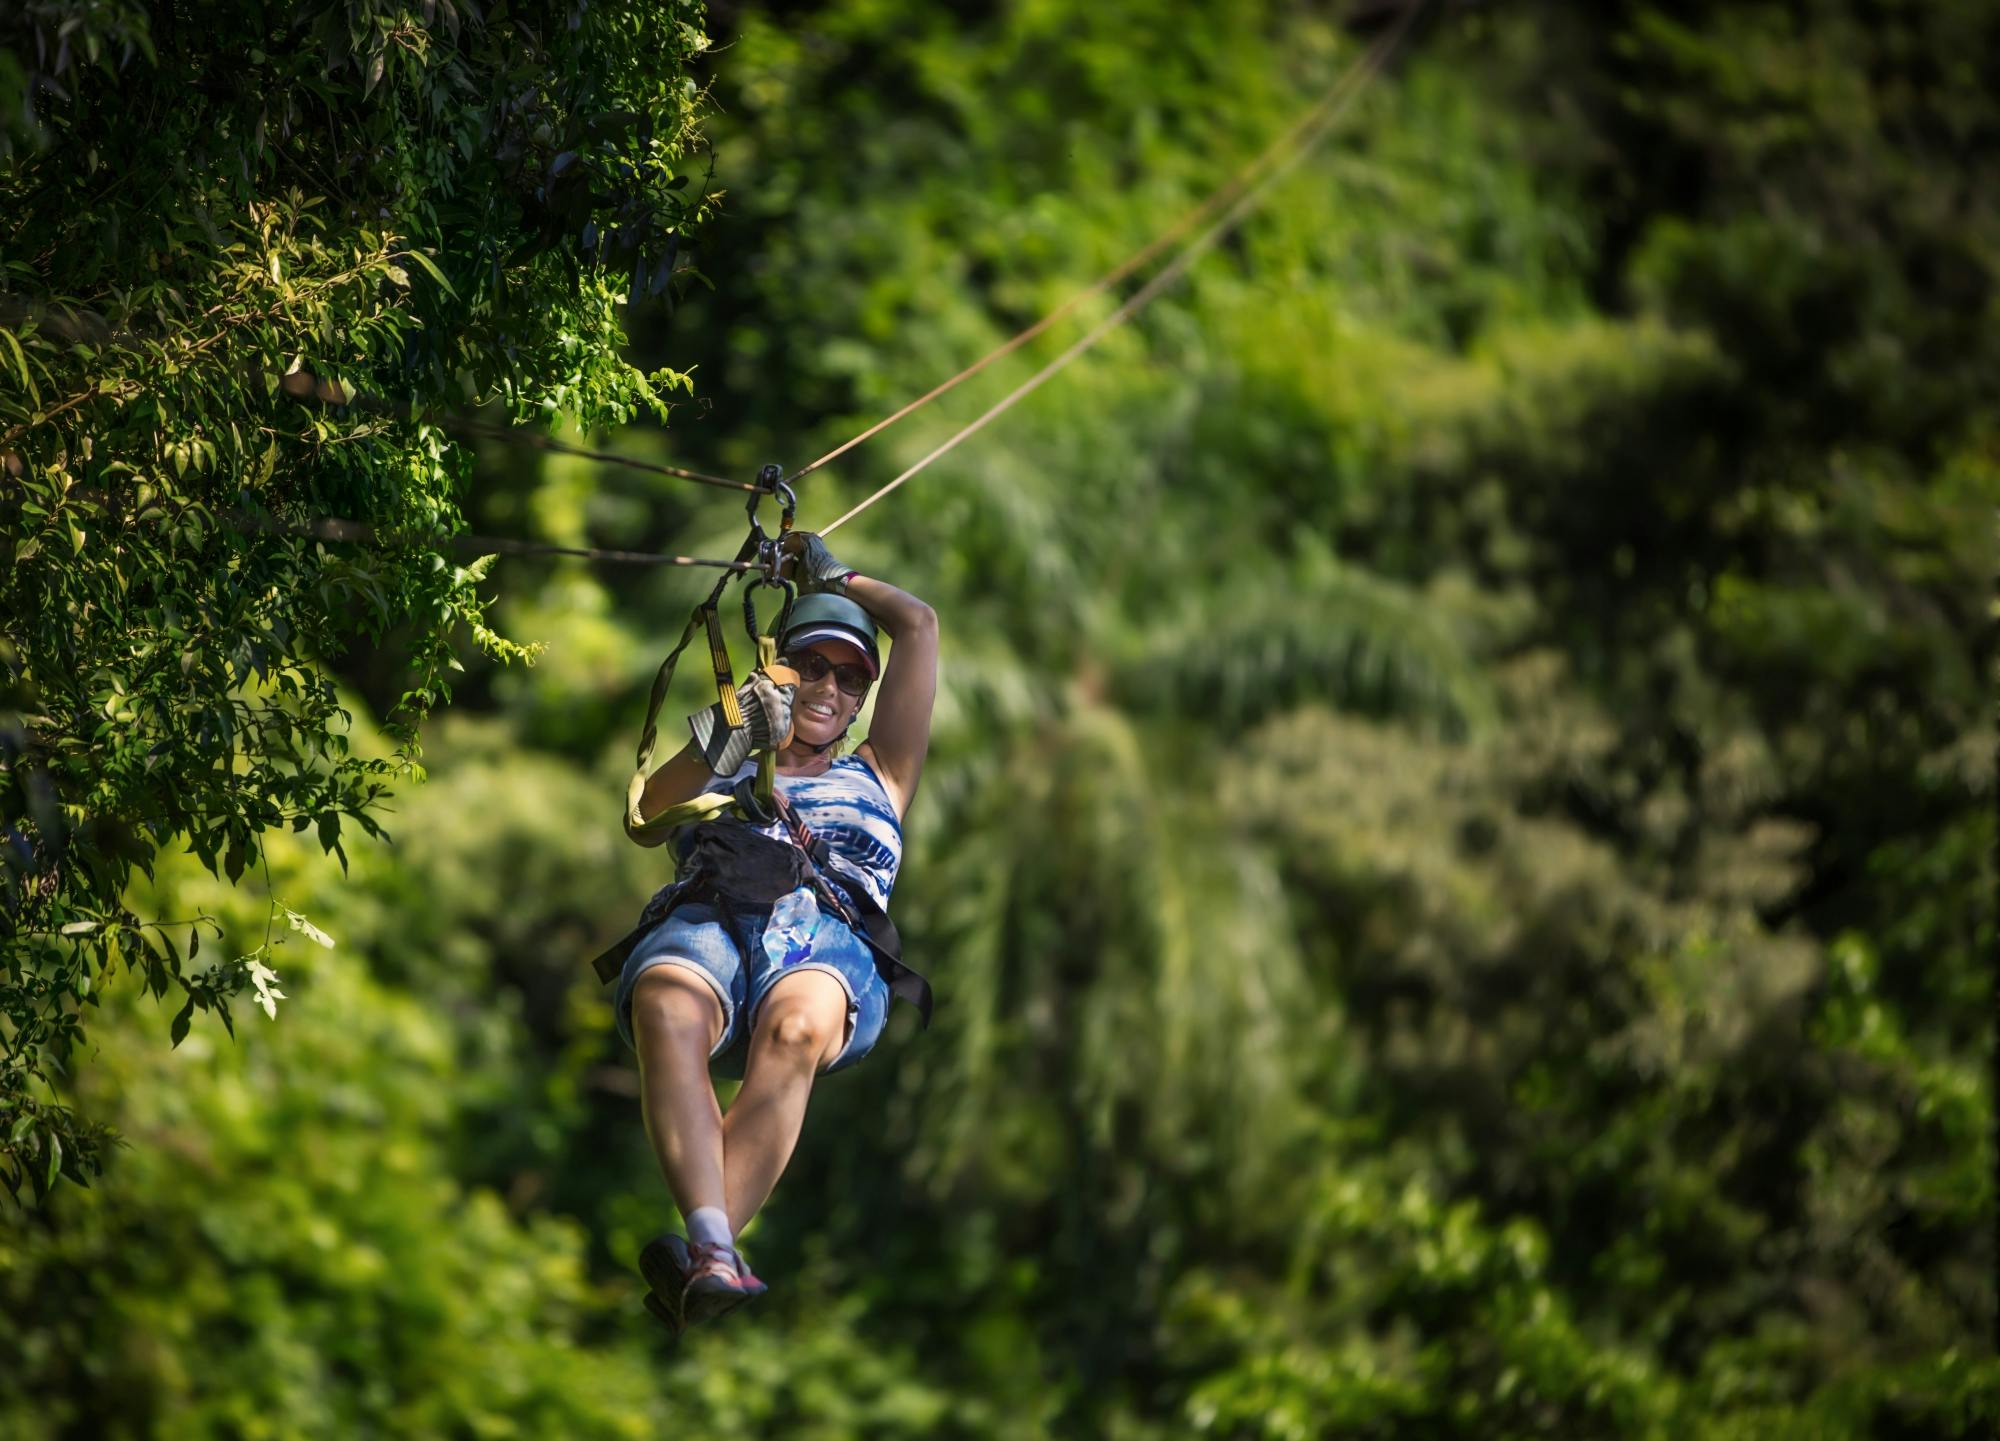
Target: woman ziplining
{"x": 770, "y": 956}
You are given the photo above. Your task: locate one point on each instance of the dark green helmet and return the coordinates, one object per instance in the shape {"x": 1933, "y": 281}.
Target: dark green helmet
{"x": 831, "y": 617}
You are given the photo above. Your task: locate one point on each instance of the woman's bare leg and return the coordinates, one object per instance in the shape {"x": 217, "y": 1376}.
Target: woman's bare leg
{"x": 801, "y": 1026}
{"x": 676, "y": 1020}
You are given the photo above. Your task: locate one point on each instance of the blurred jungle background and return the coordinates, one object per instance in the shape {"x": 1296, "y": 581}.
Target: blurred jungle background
{"x": 1456, "y": 858}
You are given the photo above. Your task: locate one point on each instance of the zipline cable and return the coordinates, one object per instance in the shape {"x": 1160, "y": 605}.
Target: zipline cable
{"x": 513, "y": 436}
{"x": 304, "y": 384}
{"x": 1343, "y": 92}
{"x": 1138, "y": 259}
{"x": 258, "y": 521}
{"x": 355, "y": 532}
{"x": 1247, "y": 186}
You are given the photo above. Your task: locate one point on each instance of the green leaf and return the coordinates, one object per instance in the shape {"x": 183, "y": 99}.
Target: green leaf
{"x": 21, "y": 359}
{"x": 430, "y": 268}
{"x": 178, "y": 1031}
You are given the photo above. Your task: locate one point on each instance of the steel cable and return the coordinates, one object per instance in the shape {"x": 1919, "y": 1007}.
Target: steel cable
{"x": 1327, "y": 113}
{"x": 1240, "y": 193}
{"x": 1104, "y": 282}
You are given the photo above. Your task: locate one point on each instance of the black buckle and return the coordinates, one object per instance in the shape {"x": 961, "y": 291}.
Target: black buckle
{"x": 745, "y": 793}
{"x": 750, "y": 586}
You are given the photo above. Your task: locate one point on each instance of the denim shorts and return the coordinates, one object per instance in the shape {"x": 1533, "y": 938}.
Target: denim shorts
{"x": 733, "y": 962}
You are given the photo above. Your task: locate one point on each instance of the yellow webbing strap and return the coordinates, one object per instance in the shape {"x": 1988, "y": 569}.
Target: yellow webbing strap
{"x": 637, "y": 826}
{"x": 725, "y": 675}
{"x": 767, "y": 662}
{"x": 700, "y": 808}
{"x": 652, "y": 830}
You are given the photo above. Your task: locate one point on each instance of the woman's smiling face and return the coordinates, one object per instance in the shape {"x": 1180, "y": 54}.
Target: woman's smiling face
{"x": 821, "y": 710}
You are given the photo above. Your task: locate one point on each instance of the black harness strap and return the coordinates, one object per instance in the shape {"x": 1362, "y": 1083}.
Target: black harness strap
{"x": 730, "y": 863}
{"x": 728, "y": 860}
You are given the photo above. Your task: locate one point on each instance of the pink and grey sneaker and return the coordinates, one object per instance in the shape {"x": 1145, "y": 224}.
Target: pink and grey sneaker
{"x": 663, "y": 1261}
{"x": 718, "y": 1282}
{"x": 693, "y": 1281}
{"x": 664, "y": 1314}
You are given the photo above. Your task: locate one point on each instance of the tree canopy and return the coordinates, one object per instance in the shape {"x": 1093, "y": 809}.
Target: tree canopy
{"x": 421, "y": 206}
{"x": 1457, "y": 853}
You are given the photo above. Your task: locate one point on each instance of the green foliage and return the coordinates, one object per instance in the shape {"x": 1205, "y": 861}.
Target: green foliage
{"x": 1456, "y": 856}
{"x": 1550, "y": 421}
{"x": 295, "y": 1243}
{"x": 222, "y": 223}
{"x": 353, "y": 1288}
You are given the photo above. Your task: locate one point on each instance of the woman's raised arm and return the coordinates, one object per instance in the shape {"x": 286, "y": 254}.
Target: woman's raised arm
{"x": 899, "y": 736}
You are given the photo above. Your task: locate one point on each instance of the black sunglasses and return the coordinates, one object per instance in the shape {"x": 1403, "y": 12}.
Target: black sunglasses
{"x": 852, "y": 679}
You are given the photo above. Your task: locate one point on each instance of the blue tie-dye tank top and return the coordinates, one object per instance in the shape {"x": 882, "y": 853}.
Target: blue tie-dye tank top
{"x": 846, "y": 805}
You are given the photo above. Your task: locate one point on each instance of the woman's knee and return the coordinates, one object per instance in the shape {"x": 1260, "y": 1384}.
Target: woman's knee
{"x": 674, "y": 1006}
{"x": 805, "y": 1021}
{"x": 797, "y": 1030}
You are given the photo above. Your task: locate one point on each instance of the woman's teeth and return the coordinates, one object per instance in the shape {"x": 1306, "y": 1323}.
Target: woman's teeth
{"x": 823, "y": 712}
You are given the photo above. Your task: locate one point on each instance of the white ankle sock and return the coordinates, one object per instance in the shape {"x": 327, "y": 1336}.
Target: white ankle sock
{"x": 709, "y": 1225}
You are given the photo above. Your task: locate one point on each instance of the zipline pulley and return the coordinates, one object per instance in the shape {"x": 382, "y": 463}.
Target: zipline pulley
{"x": 769, "y": 548}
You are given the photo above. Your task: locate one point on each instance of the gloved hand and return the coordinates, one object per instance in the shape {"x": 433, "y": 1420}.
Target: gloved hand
{"x": 767, "y": 721}
{"x": 813, "y": 567}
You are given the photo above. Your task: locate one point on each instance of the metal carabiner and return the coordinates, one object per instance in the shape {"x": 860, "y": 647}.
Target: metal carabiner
{"x": 771, "y": 482}
{"x": 750, "y": 584}
{"x": 770, "y": 555}
{"x": 769, "y": 558}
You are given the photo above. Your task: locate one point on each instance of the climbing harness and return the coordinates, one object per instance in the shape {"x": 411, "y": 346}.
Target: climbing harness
{"x": 725, "y": 858}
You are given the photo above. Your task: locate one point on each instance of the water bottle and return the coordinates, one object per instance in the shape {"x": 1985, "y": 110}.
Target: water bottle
{"x": 788, "y": 935}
